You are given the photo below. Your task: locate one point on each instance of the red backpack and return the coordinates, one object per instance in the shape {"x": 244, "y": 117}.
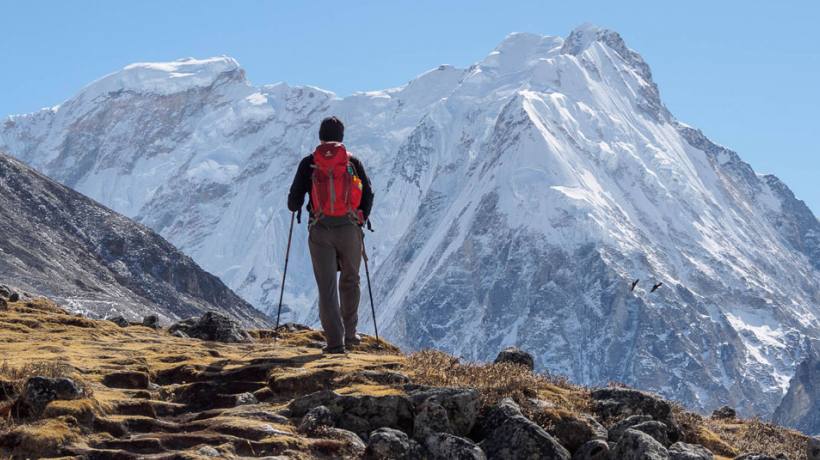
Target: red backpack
{"x": 336, "y": 190}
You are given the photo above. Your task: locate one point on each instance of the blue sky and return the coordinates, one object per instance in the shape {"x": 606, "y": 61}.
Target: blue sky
{"x": 745, "y": 72}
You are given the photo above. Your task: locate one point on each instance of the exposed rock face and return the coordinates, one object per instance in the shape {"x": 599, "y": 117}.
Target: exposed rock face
{"x": 59, "y": 243}
{"x": 212, "y": 327}
{"x": 516, "y": 356}
{"x": 800, "y": 407}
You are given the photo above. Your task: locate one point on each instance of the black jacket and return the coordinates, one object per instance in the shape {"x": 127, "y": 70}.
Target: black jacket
{"x": 303, "y": 180}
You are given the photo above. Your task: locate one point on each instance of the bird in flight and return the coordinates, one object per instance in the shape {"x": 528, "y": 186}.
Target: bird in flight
{"x": 634, "y": 283}
{"x": 655, "y": 287}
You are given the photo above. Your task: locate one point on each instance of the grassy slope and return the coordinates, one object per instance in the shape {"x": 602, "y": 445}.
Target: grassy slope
{"x": 37, "y": 337}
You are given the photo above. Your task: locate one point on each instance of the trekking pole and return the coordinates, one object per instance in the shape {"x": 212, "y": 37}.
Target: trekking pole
{"x": 284, "y": 274}
{"x": 370, "y": 291}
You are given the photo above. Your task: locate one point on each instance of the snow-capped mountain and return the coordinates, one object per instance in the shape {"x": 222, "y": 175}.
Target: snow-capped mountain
{"x": 516, "y": 200}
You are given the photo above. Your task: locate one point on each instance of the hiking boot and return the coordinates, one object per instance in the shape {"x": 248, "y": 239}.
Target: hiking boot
{"x": 352, "y": 341}
{"x": 340, "y": 350}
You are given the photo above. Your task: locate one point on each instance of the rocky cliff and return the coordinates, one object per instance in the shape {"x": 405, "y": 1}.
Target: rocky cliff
{"x": 95, "y": 261}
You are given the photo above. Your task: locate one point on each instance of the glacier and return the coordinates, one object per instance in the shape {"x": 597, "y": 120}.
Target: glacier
{"x": 516, "y": 200}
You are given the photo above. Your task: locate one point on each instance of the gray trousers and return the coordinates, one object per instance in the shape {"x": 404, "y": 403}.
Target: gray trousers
{"x": 334, "y": 247}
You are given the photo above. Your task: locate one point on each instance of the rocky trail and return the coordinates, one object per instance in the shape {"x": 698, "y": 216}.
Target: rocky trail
{"x": 72, "y": 387}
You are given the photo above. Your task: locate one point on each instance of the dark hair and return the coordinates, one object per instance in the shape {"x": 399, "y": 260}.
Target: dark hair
{"x": 331, "y": 130}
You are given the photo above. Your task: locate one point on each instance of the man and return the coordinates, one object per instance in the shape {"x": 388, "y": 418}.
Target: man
{"x": 340, "y": 201}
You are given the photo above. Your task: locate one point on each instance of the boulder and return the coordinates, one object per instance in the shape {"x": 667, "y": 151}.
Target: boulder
{"x": 354, "y": 443}
{"x": 317, "y": 417}
{"x": 120, "y": 321}
{"x": 444, "y": 446}
{"x": 616, "y": 430}
{"x": 655, "y": 429}
{"x": 462, "y": 405}
{"x": 813, "y": 448}
{"x": 516, "y": 356}
{"x": 508, "y": 434}
{"x": 3, "y": 304}
{"x": 389, "y": 443}
{"x": 151, "y": 321}
{"x": 129, "y": 380}
{"x": 212, "y": 327}
{"x": 623, "y": 402}
{"x": 637, "y": 445}
{"x": 14, "y": 297}
{"x": 39, "y": 391}
{"x": 5, "y": 291}
{"x": 360, "y": 414}
{"x": 573, "y": 432}
{"x": 684, "y": 451}
{"x": 596, "y": 449}
{"x": 431, "y": 418}
{"x": 724, "y": 412}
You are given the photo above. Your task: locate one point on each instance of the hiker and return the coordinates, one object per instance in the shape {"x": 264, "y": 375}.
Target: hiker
{"x": 340, "y": 201}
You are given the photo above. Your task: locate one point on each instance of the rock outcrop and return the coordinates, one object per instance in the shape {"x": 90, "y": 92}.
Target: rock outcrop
{"x": 800, "y": 408}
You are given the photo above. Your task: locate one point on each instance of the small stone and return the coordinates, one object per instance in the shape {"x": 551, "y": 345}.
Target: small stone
{"x": 637, "y": 445}
{"x": 243, "y": 399}
{"x": 684, "y": 451}
{"x": 180, "y": 334}
{"x": 120, "y": 321}
{"x": 151, "y": 321}
{"x": 758, "y": 457}
{"x": 389, "y": 443}
{"x": 516, "y": 356}
{"x": 723, "y": 413}
{"x": 597, "y": 449}
{"x": 444, "y": 446}
{"x": 208, "y": 451}
{"x": 315, "y": 418}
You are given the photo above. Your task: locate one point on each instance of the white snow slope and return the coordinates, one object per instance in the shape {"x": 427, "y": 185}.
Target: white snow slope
{"x": 515, "y": 202}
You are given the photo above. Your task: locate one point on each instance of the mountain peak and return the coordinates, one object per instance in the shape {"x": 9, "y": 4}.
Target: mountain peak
{"x": 168, "y": 77}
{"x": 585, "y": 35}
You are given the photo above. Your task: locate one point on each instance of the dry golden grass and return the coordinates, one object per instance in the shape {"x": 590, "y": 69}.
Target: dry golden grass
{"x": 38, "y": 338}
{"x": 494, "y": 381}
